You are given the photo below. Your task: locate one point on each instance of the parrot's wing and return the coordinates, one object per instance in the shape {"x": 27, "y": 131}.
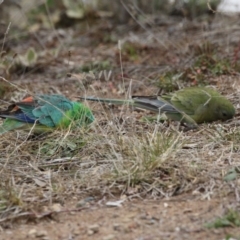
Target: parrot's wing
{"x": 157, "y": 104}
{"x": 51, "y": 109}
{"x": 47, "y": 110}
{"x": 189, "y": 99}
{"x": 183, "y": 104}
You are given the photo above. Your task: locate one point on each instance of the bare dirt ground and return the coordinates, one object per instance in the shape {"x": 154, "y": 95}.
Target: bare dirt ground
{"x": 138, "y": 219}
{"x": 166, "y": 186}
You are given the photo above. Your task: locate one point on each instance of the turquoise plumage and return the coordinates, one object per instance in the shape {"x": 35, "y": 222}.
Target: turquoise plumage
{"x": 44, "y": 113}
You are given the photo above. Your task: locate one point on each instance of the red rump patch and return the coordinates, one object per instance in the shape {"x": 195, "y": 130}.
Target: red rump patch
{"x": 27, "y": 99}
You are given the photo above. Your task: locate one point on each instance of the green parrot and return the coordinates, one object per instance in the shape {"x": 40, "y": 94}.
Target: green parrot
{"x": 44, "y": 113}
{"x": 191, "y": 105}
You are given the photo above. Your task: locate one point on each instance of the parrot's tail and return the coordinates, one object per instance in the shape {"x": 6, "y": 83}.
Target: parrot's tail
{"x": 10, "y": 124}
{"x": 154, "y": 105}
{"x": 108, "y": 100}
{"x": 148, "y": 103}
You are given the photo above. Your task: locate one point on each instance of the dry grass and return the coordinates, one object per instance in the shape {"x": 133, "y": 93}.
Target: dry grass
{"x": 115, "y": 156}
{"x": 119, "y": 154}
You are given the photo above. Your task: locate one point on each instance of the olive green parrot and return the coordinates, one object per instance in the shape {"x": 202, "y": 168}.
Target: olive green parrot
{"x": 191, "y": 105}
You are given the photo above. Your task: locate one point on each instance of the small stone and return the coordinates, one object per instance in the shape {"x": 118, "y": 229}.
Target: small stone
{"x": 127, "y": 230}
{"x": 90, "y": 232}
{"x": 109, "y": 237}
{"x": 93, "y": 228}
{"x": 83, "y": 202}
{"x": 165, "y": 205}
{"x": 76, "y": 232}
{"x": 143, "y": 216}
{"x": 116, "y": 227}
{"x": 238, "y": 183}
{"x": 56, "y": 207}
{"x": 177, "y": 229}
{"x": 151, "y": 222}
{"x": 32, "y": 233}
{"x": 41, "y": 233}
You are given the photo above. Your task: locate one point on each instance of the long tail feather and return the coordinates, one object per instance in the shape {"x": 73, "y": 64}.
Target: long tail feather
{"x": 10, "y": 124}
{"x": 148, "y": 103}
{"x": 154, "y": 104}
{"x": 108, "y": 100}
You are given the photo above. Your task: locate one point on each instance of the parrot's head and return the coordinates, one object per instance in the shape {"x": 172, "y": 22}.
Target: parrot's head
{"x": 224, "y": 109}
{"x": 218, "y": 108}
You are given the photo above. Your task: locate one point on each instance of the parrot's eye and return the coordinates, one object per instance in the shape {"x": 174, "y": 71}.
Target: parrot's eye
{"x": 224, "y": 114}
